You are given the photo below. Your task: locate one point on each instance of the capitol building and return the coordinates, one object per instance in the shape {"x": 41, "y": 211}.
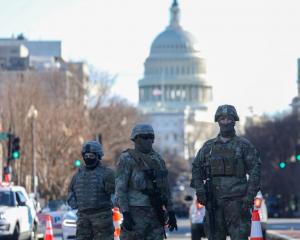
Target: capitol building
{"x": 174, "y": 91}
{"x": 175, "y": 71}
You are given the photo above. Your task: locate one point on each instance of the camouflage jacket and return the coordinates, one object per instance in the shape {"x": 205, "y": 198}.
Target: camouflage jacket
{"x": 91, "y": 188}
{"x": 243, "y": 161}
{"x": 131, "y": 180}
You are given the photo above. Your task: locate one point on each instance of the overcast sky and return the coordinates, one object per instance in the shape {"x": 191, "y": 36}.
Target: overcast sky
{"x": 251, "y": 46}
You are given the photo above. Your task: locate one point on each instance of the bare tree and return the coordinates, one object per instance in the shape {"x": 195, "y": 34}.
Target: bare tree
{"x": 275, "y": 139}
{"x": 61, "y": 126}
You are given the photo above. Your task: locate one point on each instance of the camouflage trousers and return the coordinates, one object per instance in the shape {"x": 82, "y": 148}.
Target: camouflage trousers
{"x": 147, "y": 226}
{"x": 230, "y": 220}
{"x": 95, "y": 225}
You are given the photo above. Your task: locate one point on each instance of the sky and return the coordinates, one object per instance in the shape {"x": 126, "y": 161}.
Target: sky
{"x": 251, "y": 46}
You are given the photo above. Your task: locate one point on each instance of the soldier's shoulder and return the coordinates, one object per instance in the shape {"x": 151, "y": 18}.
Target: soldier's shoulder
{"x": 209, "y": 143}
{"x": 77, "y": 173}
{"x": 109, "y": 173}
{"x": 159, "y": 158}
{"x": 244, "y": 141}
{"x": 125, "y": 154}
{"x": 107, "y": 170}
{"x": 206, "y": 147}
{"x": 157, "y": 155}
{"x": 80, "y": 170}
{"x": 125, "y": 157}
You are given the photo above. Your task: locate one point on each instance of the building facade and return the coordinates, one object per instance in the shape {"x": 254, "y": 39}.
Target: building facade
{"x": 22, "y": 59}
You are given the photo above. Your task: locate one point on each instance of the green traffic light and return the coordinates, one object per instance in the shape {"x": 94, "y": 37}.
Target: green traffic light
{"x": 77, "y": 163}
{"x": 15, "y": 155}
{"x": 298, "y": 157}
{"x": 282, "y": 165}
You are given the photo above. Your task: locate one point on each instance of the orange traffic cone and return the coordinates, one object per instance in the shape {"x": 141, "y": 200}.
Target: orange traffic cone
{"x": 49, "y": 229}
{"x": 256, "y": 233}
{"x": 117, "y": 223}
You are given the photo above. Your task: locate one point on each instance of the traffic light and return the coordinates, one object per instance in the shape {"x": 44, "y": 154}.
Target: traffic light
{"x": 297, "y": 152}
{"x": 282, "y": 165}
{"x": 15, "y": 154}
{"x": 13, "y": 147}
{"x": 77, "y": 163}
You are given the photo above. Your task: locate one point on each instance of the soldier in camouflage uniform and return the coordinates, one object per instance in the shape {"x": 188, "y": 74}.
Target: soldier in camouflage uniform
{"x": 90, "y": 192}
{"x": 228, "y": 159}
{"x": 140, "y": 219}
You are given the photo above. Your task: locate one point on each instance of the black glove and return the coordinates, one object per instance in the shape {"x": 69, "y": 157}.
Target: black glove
{"x": 128, "y": 222}
{"x": 201, "y": 198}
{"x": 172, "y": 222}
{"x": 247, "y": 203}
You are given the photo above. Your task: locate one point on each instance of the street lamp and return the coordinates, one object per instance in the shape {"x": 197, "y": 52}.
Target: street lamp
{"x": 33, "y": 114}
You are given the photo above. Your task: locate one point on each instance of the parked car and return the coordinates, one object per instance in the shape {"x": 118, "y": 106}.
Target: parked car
{"x": 69, "y": 225}
{"x": 56, "y": 209}
{"x": 18, "y": 218}
{"x": 197, "y": 213}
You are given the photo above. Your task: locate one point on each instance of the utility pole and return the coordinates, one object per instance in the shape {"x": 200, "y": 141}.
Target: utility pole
{"x": 33, "y": 156}
{"x": 32, "y": 115}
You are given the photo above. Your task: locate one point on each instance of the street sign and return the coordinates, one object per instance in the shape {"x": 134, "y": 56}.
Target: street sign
{"x": 3, "y": 136}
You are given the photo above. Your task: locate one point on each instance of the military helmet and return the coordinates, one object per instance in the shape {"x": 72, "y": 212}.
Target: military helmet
{"x": 226, "y": 110}
{"x": 92, "y": 146}
{"x": 141, "y": 128}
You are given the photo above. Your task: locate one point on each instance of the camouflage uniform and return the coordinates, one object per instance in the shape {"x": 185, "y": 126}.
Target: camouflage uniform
{"x": 130, "y": 184}
{"x": 229, "y": 163}
{"x": 90, "y": 192}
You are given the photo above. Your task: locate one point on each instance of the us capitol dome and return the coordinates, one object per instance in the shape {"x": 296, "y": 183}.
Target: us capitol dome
{"x": 174, "y": 72}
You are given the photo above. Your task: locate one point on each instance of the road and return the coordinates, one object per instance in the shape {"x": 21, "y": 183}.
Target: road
{"x": 280, "y": 226}
{"x": 184, "y": 230}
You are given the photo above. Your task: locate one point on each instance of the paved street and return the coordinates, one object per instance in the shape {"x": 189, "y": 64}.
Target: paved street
{"x": 184, "y": 230}
{"x": 286, "y": 228}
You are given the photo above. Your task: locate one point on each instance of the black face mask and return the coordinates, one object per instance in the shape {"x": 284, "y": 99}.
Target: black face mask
{"x": 143, "y": 143}
{"x": 91, "y": 160}
{"x": 227, "y": 130}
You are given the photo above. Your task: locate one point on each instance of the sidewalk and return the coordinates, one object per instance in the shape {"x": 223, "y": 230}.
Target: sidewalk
{"x": 283, "y": 234}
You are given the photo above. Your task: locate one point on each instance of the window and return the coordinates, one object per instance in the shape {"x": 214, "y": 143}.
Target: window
{"x": 20, "y": 198}
{"x": 6, "y": 198}
{"x": 182, "y": 71}
{"x": 175, "y": 136}
{"x": 172, "y": 94}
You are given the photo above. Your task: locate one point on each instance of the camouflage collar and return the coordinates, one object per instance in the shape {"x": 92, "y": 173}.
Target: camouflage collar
{"x": 218, "y": 139}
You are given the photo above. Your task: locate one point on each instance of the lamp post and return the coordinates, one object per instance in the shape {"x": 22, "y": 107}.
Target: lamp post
{"x": 32, "y": 114}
